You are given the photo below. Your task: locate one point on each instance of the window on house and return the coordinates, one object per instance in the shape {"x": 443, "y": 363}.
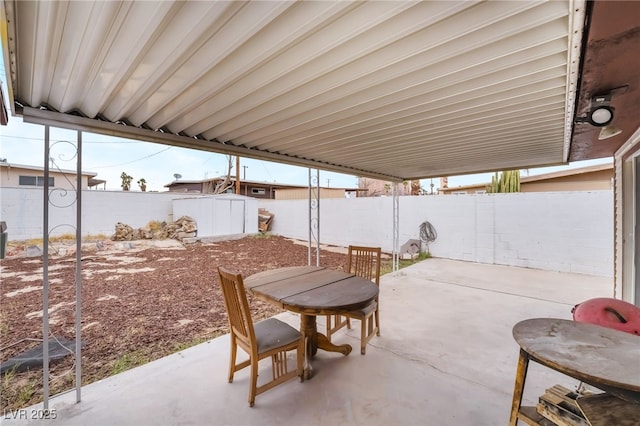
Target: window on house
{"x": 34, "y": 181}
{"x": 258, "y": 191}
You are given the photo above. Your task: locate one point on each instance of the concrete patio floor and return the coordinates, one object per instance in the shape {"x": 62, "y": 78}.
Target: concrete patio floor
{"x": 445, "y": 357}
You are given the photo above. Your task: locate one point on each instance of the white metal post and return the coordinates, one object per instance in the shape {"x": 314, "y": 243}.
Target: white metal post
{"x": 396, "y": 228}
{"x": 314, "y": 216}
{"x": 78, "y": 353}
{"x": 45, "y": 275}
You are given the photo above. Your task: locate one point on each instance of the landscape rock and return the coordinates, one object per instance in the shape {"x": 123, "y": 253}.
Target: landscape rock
{"x": 124, "y": 232}
{"x": 184, "y": 227}
{"x": 33, "y": 251}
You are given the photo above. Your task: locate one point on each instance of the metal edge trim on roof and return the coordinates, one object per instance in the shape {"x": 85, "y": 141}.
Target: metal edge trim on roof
{"x": 575, "y": 40}
{"x": 8, "y": 45}
{"x": 73, "y": 122}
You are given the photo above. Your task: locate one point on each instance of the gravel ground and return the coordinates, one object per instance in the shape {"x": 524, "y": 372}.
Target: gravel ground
{"x": 140, "y": 301}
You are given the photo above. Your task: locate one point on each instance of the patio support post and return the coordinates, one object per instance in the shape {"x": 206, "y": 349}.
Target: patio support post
{"x": 78, "y": 354}
{"x": 54, "y": 197}
{"x": 45, "y": 275}
{"x": 318, "y": 217}
{"x": 314, "y": 215}
{"x": 396, "y": 228}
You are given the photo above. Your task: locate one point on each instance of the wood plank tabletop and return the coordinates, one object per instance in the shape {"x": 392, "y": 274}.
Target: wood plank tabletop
{"x": 291, "y": 285}
{"x": 600, "y": 356}
{"x": 344, "y": 295}
{"x": 274, "y": 275}
{"x": 313, "y": 290}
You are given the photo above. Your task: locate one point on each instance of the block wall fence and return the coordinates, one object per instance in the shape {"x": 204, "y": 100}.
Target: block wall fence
{"x": 22, "y": 210}
{"x": 558, "y": 231}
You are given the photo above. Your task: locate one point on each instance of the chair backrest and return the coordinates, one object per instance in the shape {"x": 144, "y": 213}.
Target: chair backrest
{"x": 238, "y": 312}
{"x": 365, "y": 262}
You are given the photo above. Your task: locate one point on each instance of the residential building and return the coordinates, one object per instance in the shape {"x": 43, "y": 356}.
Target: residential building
{"x": 257, "y": 189}
{"x": 590, "y": 178}
{"x": 23, "y": 176}
{"x": 380, "y": 188}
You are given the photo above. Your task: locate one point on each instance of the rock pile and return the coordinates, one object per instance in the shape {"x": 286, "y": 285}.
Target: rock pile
{"x": 185, "y": 227}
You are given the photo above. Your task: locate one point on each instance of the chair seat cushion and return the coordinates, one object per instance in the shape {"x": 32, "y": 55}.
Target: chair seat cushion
{"x": 361, "y": 313}
{"x": 272, "y": 333}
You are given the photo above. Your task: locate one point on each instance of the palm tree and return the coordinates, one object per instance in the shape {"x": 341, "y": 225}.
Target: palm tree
{"x": 142, "y": 183}
{"x": 126, "y": 181}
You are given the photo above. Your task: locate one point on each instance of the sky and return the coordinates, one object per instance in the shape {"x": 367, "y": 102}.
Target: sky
{"x": 22, "y": 143}
{"x": 109, "y": 157}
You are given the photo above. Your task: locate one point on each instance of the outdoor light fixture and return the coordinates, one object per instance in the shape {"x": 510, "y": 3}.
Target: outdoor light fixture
{"x": 601, "y": 114}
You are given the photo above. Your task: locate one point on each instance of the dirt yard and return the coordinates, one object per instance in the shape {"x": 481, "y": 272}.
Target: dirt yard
{"x": 139, "y": 303}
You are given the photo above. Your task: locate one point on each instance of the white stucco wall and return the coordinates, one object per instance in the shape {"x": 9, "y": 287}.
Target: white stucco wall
{"x": 22, "y": 209}
{"x": 563, "y": 231}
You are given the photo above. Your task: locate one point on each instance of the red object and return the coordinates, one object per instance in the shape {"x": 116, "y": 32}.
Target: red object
{"x": 609, "y": 312}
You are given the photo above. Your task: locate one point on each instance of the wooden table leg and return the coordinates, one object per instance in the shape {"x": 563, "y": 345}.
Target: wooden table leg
{"x": 310, "y": 332}
{"x": 315, "y": 340}
{"x": 521, "y": 376}
{"x": 325, "y": 344}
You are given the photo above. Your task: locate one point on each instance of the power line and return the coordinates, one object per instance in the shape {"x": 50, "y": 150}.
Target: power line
{"x": 132, "y": 161}
{"x": 267, "y": 170}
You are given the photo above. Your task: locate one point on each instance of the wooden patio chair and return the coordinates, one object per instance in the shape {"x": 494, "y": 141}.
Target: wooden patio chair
{"x": 269, "y": 338}
{"x": 364, "y": 262}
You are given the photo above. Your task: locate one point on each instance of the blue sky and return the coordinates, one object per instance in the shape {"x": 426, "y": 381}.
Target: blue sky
{"x": 107, "y": 156}
{"x": 22, "y": 143}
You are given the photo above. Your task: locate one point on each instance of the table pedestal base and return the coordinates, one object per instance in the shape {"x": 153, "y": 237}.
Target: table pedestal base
{"x": 315, "y": 340}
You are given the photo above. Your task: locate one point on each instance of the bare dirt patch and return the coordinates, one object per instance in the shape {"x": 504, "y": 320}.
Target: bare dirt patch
{"x": 138, "y": 304}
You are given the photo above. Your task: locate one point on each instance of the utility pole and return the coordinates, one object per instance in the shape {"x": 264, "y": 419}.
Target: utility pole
{"x": 238, "y": 174}
{"x": 328, "y": 182}
{"x": 244, "y": 172}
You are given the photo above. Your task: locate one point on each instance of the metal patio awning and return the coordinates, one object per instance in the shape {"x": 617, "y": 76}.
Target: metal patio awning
{"x": 395, "y": 90}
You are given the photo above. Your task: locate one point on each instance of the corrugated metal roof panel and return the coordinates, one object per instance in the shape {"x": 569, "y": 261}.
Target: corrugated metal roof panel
{"x": 400, "y": 89}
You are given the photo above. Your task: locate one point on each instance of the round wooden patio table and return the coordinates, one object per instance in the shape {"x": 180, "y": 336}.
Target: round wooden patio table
{"x": 605, "y": 358}
{"x": 312, "y": 291}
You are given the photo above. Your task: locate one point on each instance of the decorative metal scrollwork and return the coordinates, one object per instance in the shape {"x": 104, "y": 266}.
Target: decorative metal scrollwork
{"x": 61, "y": 194}
{"x": 57, "y": 195}
{"x": 314, "y": 215}
{"x": 396, "y": 229}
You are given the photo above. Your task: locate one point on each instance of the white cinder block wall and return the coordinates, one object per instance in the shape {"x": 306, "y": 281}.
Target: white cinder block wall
{"x": 22, "y": 210}
{"x": 562, "y": 231}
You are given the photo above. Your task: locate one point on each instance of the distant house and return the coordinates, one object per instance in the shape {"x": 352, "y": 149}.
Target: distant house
{"x": 379, "y": 188}
{"x": 22, "y": 176}
{"x": 256, "y": 189}
{"x": 590, "y": 178}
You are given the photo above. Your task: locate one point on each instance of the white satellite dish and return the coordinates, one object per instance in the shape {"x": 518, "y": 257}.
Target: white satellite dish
{"x": 177, "y": 176}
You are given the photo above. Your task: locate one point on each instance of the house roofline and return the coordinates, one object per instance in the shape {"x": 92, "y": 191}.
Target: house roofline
{"x": 543, "y": 176}
{"x": 27, "y": 167}
{"x": 254, "y": 182}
